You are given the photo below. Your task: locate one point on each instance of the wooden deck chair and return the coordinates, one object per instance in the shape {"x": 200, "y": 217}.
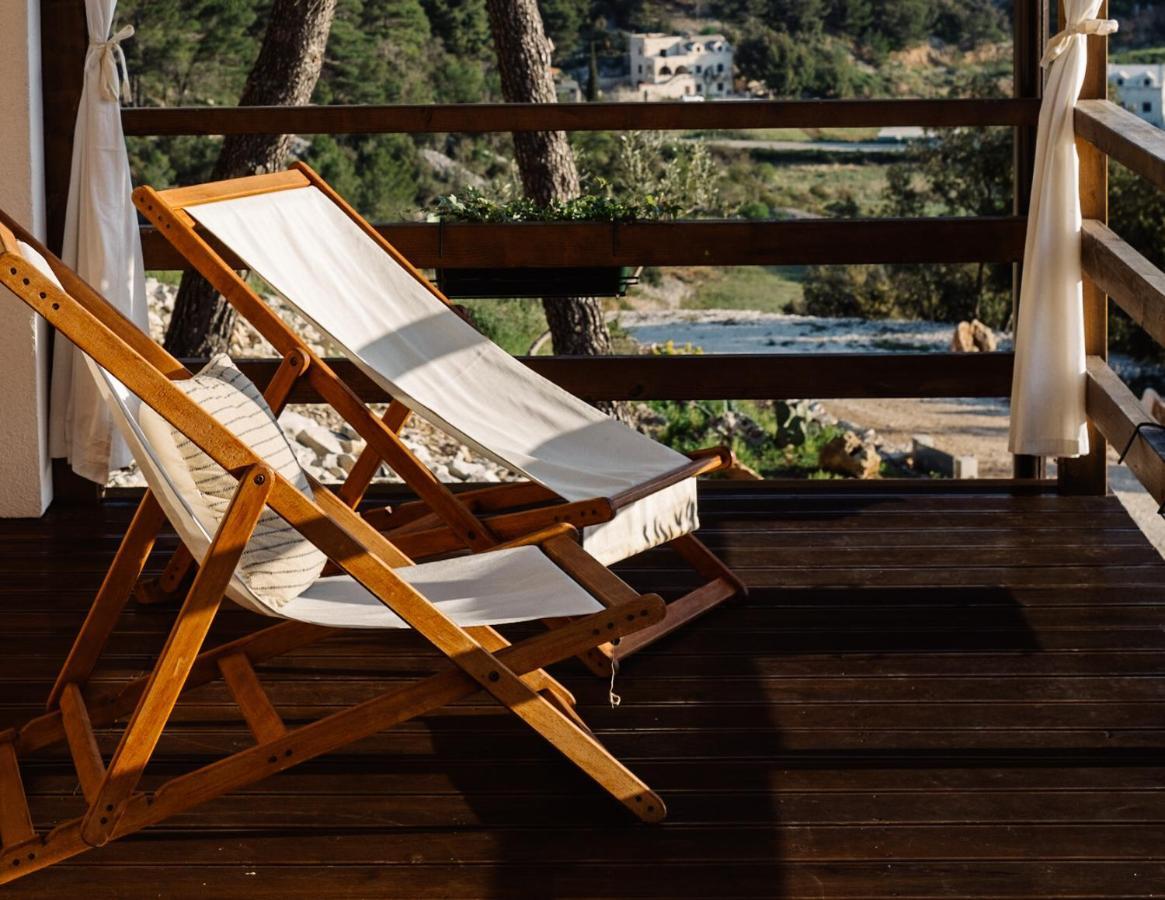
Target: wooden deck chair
{"x": 625, "y": 492}
{"x": 453, "y": 605}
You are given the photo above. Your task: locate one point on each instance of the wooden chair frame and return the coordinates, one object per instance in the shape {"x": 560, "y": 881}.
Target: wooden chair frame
{"x": 440, "y": 521}
{"x": 478, "y": 659}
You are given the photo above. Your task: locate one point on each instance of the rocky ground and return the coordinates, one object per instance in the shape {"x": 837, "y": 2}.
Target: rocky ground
{"x": 324, "y": 444}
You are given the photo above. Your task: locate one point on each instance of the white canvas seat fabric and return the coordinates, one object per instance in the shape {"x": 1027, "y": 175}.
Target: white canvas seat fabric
{"x": 514, "y": 585}
{"x": 407, "y": 340}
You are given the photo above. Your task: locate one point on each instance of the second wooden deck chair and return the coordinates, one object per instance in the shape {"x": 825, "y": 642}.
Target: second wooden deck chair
{"x": 453, "y": 604}
{"x": 625, "y": 492}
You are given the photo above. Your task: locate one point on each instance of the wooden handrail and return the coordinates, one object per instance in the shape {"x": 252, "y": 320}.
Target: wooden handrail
{"x": 742, "y": 376}
{"x": 1129, "y": 140}
{"x": 1136, "y": 285}
{"x": 1114, "y": 409}
{"x": 473, "y": 118}
{"x": 703, "y": 243}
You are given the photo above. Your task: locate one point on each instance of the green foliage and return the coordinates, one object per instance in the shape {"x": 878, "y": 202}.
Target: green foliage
{"x": 793, "y": 66}
{"x": 752, "y": 431}
{"x": 1136, "y": 212}
{"x": 651, "y": 179}
{"x": 378, "y": 52}
{"x": 473, "y": 206}
{"x": 186, "y": 52}
{"x": 970, "y": 23}
{"x": 593, "y": 75}
{"x": 765, "y": 288}
{"x": 954, "y": 172}
{"x": 809, "y": 48}
{"x": 190, "y": 51}
{"x": 676, "y": 178}
{"x": 462, "y": 26}
{"x": 377, "y": 173}
{"x": 511, "y": 324}
{"x": 1150, "y": 56}
{"x": 564, "y": 21}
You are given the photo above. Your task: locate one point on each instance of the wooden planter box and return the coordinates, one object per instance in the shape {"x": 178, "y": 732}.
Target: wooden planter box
{"x": 596, "y": 281}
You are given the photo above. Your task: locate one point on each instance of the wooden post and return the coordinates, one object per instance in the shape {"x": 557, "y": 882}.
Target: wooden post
{"x": 64, "y": 41}
{"x": 1088, "y": 474}
{"x": 1030, "y": 36}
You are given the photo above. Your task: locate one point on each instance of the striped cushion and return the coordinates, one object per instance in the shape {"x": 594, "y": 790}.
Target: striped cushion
{"x": 278, "y": 563}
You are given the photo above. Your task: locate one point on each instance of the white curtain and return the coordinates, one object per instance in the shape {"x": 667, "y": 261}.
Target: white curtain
{"x": 1047, "y": 392}
{"x": 101, "y": 243}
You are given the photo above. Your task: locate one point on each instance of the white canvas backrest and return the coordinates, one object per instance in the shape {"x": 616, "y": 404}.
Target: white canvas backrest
{"x": 410, "y": 343}
{"x": 124, "y": 405}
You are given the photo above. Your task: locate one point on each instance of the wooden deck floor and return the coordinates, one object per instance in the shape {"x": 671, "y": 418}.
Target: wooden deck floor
{"x": 927, "y": 695}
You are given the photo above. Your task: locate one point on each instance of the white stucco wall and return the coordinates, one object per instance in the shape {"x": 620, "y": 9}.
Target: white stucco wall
{"x": 25, "y": 479}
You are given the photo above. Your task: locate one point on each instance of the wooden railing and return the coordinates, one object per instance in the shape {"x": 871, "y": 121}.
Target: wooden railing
{"x": 885, "y": 240}
{"x": 1115, "y": 269}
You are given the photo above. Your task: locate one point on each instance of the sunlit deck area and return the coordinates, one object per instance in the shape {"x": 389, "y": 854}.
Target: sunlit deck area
{"x": 948, "y": 691}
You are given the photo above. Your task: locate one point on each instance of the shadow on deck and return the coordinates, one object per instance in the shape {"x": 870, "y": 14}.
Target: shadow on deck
{"x": 936, "y": 693}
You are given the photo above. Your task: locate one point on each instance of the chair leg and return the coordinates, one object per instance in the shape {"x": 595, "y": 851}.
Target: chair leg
{"x": 679, "y": 612}
{"x": 26, "y": 852}
{"x": 166, "y": 587}
{"x": 579, "y": 745}
{"x": 177, "y": 658}
{"x": 111, "y": 598}
{"x": 722, "y": 585}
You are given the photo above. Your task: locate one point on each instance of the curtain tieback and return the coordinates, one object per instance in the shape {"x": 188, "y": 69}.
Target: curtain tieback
{"x": 1062, "y": 41}
{"x": 114, "y": 75}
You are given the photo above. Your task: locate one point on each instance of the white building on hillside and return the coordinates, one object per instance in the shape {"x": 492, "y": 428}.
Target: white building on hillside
{"x": 1141, "y": 90}
{"x": 670, "y": 66}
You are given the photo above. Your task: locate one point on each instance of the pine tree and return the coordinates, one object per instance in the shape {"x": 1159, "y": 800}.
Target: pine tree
{"x": 284, "y": 74}
{"x": 545, "y": 159}
{"x": 593, "y": 75}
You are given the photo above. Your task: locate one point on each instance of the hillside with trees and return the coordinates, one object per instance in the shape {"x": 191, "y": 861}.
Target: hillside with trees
{"x": 190, "y": 52}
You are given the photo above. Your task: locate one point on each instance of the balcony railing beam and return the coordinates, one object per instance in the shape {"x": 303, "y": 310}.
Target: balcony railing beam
{"x": 1135, "y": 284}
{"x": 477, "y": 118}
{"x": 743, "y": 376}
{"x": 1132, "y": 142}
{"x": 1116, "y": 413}
{"x": 689, "y": 243}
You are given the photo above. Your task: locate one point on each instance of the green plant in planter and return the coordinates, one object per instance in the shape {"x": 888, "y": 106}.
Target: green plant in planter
{"x": 652, "y": 179}
{"x": 595, "y": 206}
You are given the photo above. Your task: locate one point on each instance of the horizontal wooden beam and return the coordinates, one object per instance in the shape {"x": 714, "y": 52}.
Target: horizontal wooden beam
{"x": 474, "y": 118}
{"x": 1129, "y": 140}
{"x": 701, "y": 243}
{"x": 1114, "y": 409}
{"x": 1136, "y": 285}
{"x": 772, "y": 376}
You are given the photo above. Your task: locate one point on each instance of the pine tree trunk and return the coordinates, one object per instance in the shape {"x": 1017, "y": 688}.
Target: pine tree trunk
{"x": 284, "y": 74}
{"x": 545, "y": 160}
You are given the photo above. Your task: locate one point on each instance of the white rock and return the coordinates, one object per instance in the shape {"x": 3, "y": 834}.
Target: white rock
{"x": 294, "y": 424}
{"x": 304, "y": 456}
{"x": 321, "y": 440}
{"x": 461, "y": 470}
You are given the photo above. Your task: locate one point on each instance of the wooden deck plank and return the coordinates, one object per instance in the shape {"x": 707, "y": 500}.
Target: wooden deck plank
{"x": 928, "y": 694}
